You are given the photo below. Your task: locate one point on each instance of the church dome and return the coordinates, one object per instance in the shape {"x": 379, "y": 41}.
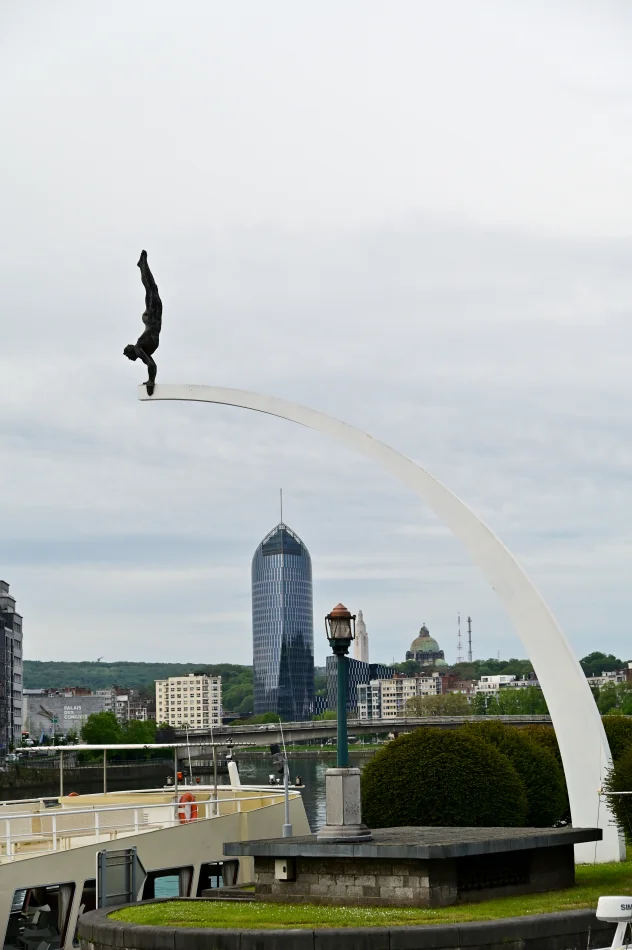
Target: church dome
{"x": 424, "y": 642}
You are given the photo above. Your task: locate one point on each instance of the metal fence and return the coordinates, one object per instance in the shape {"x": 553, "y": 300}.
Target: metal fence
{"x": 54, "y": 826}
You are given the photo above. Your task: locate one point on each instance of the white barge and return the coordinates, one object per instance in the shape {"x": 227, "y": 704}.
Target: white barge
{"x": 49, "y": 848}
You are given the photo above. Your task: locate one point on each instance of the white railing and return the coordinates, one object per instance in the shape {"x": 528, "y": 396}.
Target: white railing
{"x": 57, "y": 827}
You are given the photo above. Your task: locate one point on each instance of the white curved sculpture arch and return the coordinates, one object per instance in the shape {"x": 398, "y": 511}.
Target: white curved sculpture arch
{"x": 582, "y": 740}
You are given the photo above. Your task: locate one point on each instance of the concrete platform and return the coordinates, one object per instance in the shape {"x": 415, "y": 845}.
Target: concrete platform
{"x": 415, "y": 866}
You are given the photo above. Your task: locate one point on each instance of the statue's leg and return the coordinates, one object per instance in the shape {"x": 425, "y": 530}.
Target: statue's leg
{"x": 151, "y": 290}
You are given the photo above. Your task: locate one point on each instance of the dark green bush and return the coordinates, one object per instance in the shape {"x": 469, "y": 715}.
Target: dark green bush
{"x": 440, "y": 778}
{"x": 619, "y": 733}
{"x": 538, "y": 768}
{"x": 619, "y": 779}
{"x": 545, "y": 737}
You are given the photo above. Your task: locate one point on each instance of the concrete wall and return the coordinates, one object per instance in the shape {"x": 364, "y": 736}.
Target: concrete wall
{"x": 574, "y": 930}
{"x": 414, "y": 883}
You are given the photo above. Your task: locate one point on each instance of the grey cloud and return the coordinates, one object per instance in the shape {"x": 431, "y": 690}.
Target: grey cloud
{"x": 383, "y": 230}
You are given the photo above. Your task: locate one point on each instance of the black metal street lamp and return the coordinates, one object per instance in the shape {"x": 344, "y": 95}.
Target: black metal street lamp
{"x": 340, "y": 627}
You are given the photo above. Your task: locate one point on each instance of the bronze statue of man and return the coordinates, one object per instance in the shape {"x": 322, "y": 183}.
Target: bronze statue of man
{"x": 148, "y": 342}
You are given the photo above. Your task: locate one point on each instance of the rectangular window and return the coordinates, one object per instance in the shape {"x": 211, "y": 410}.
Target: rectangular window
{"x": 170, "y": 882}
{"x": 39, "y": 914}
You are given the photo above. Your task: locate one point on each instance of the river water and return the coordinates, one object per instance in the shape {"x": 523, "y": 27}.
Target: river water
{"x": 253, "y": 771}
{"x": 312, "y": 771}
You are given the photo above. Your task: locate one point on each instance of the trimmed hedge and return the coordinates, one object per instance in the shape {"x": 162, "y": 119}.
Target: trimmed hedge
{"x": 544, "y": 736}
{"x": 541, "y": 775}
{"x": 619, "y": 779}
{"x": 619, "y": 733}
{"x": 432, "y": 777}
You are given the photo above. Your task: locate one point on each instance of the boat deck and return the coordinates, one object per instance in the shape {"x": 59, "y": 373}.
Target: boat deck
{"x": 45, "y": 825}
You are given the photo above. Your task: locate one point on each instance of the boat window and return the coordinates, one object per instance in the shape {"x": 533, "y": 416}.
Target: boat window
{"x": 169, "y": 882}
{"x": 210, "y": 877}
{"x": 39, "y": 915}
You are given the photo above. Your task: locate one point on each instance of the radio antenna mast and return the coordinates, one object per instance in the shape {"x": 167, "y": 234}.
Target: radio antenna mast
{"x": 469, "y": 639}
{"x": 459, "y": 641}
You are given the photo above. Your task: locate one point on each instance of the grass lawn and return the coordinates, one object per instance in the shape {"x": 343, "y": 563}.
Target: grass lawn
{"x": 592, "y": 882}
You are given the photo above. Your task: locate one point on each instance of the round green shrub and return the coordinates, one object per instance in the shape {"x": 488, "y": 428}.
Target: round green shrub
{"x": 619, "y": 734}
{"x": 619, "y": 779}
{"x": 441, "y": 778}
{"x": 543, "y": 736}
{"x": 537, "y": 767}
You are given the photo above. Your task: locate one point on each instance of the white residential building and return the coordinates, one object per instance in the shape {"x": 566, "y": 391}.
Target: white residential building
{"x": 194, "y": 700}
{"x": 614, "y": 677}
{"x": 523, "y": 682}
{"x": 386, "y": 699}
{"x": 493, "y": 684}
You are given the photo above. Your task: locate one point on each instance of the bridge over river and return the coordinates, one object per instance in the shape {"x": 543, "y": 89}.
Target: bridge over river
{"x": 326, "y": 728}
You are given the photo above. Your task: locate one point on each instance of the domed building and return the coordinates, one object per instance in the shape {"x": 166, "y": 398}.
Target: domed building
{"x": 425, "y": 650}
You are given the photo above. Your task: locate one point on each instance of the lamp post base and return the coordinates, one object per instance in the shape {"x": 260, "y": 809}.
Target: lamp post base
{"x": 344, "y": 810}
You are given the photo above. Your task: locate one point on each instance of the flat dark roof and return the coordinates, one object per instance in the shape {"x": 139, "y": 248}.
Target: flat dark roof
{"x": 420, "y": 843}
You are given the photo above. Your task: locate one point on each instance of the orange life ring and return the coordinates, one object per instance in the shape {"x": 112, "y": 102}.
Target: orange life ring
{"x": 187, "y": 808}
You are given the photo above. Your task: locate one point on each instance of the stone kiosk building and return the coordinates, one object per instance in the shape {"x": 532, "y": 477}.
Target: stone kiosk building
{"x": 415, "y": 866}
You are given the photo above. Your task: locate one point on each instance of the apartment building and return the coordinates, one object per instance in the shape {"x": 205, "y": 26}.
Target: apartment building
{"x": 493, "y": 684}
{"x": 387, "y": 698}
{"x": 192, "y": 700}
{"x": 357, "y": 673}
{"x": 613, "y": 677}
{"x": 10, "y": 672}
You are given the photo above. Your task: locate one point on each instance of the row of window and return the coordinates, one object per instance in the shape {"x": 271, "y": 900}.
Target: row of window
{"x": 40, "y": 915}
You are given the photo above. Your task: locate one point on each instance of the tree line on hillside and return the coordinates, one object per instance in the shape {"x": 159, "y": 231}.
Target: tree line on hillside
{"x": 237, "y": 683}
{"x": 237, "y": 688}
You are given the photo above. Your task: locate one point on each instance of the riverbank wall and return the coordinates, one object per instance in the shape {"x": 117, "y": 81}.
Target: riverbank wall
{"x": 85, "y": 777}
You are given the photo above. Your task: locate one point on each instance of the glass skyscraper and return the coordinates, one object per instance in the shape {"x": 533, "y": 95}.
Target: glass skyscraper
{"x": 283, "y": 626}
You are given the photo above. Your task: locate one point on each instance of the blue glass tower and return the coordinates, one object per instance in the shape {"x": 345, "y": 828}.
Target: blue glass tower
{"x": 283, "y": 626}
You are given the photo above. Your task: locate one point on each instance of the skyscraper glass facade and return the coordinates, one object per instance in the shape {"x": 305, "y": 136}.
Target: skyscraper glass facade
{"x": 283, "y": 626}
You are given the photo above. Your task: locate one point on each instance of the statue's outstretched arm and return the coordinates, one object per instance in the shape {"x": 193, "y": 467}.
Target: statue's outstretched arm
{"x": 152, "y": 369}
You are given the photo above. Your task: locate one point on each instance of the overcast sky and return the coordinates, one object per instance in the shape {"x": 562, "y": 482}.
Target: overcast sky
{"x": 412, "y": 215}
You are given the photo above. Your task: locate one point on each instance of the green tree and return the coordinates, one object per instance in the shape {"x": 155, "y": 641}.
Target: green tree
{"x": 517, "y": 701}
{"x": 596, "y": 663}
{"x": 493, "y": 667}
{"x": 445, "y": 704}
{"x": 479, "y": 704}
{"x": 541, "y": 775}
{"x": 436, "y": 777}
{"x": 410, "y": 667}
{"x": 465, "y": 671}
{"x": 619, "y": 734}
{"x": 608, "y": 699}
{"x": 134, "y": 675}
{"x": 544, "y": 736}
{"x": 102, "y": 728}
{"x": 619, "y": 779}
{"x": 138, "y": 730}
{"x": 326, "y": 715}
